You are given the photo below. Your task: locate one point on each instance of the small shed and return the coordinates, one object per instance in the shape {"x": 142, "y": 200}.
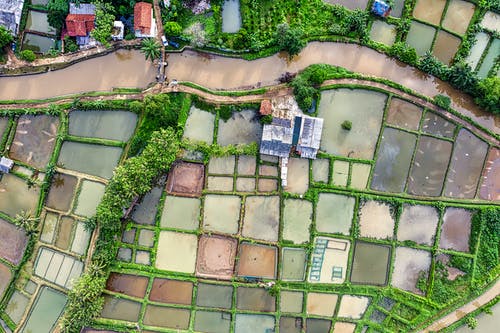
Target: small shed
{"x": 266, "y": 108}
{"x": 381, "y": 8}
{"x": 6, "y": 164}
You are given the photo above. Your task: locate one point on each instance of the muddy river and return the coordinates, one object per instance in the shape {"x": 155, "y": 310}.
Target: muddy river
{"x": 129, "y": 69}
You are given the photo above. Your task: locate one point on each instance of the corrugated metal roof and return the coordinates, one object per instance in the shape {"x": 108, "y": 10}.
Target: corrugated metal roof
{"x": 82, "y": 9}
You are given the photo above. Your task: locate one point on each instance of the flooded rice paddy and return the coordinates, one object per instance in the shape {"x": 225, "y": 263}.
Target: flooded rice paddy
{"x": 420, "y": 37}
{"x": 418, "y": 223}
{"x": 199, "y": 125}
{"x": 16, "y": 196}
{"x": 334, "y": 213}
{"x": 445, "y": 46}
{"x": 383, "y": 33}
{"x": 113, "y": 125}
{"x": 231, "y": 17}
{"x": 477, "y": 49}
{"x": 261, "y": 219}
{"x": 371, "y": 263}
{"x": 180, "y": 213}
{"x": 297, "y": 219}
{"x": 375, "y": 220}
{"x": 456, "y": 228}
{"x": 45, "y": 313}
{"x": 491, "y": 176}
{"x": 458, "y": 16}
{"x": 429, "y": 10}
{"x": 407, "y": 266}
{"x": 320, "y": 170}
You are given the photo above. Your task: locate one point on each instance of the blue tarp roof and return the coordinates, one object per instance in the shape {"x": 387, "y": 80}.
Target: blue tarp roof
{"x": 381, "y": 8}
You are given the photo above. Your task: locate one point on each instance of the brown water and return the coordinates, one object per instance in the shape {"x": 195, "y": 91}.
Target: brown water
{"x": 123, "y": 68}
{"x": 255, "y": 299}
{"x": 213, "y": 72}
{"x": 458, "y": 16}
{"x": 370, "y": 263}
{"x": 171, "y": 291}
{"x": 445, "y": 46}
{"x": 166, "y": 317}
{"x": 127, "y": 284}
{"x": 61, "y": 192}
{"x": 455, "y": 230}
{"x": 429, "y": 10}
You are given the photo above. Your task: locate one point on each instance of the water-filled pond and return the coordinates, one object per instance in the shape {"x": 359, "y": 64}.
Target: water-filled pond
{"x": 255, "y": 299}
{"x": 491, "y": 176}
{"x": 293, "y": 266}
{"x": 61, "y": 192}
{"x": 370, "y": 264}
{"x": 114, "y": 125}
{"x": 46, "y": 311}
{"x": 251, "y": 323}
{"x": 216, "y": 322}
{"x": 93, "y": 159}
{"x": 297, "y": 218}
{"x": 199, "y": 125}
{"x": 131, "y": 285}
{"x": 455, "y": 230}
{"x": 458, "y": 16}
{"x": 214, "y": 296}
{"x": 364, "y": 109}
{"x": 375, "y": 220}
{"x": 489, "y": 59}
{"x": 13, "y": 242}
{"x": 420, "y": 37}
{"x": 120, "y": 309}
{"x": 393, "y": 160}
{"x": 291, "y": 301}
{"x": 407, "y": 267}
{"x": 477, "y": 49}
{"x": 257, "y": 261}
{"x": 404, "y": 114}
{"x": 243, "y": 127}
{"x": 418, "y": 224}
{"x": 231, "y": 17}
{"x": 429, "y": 10}
{"x": 90, "y": 195}
{"x": 222, "y": 213}
{"x": 176, "y": 252}
{"x": 383, "y": 33}
{"x": 445, "y": 46}
{"x": 37, "y": 43}
{"x": 262, "y": 215}
{"x": 37, "y": 21}
{"x": 16, "y": 196}
{"x": 334, "y": 213}
{"x": 181, "y": 213}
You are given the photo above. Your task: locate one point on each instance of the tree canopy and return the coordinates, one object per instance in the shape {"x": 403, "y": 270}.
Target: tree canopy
{"x": 5, "y": 37}
{"x": 289, "y": 39}
{"x": 104, "y": 18}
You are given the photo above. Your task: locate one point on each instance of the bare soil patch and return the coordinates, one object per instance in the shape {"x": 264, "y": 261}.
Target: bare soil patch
{"x": 257, "y": 261}
{"x": 128, "y": 284}
{"x": 216, "y": 256}
{"x": 171, "y": 291}
{"x": 186, "y": 179}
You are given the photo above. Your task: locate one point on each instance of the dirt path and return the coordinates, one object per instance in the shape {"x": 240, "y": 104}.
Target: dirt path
{"x": 459, "y": 313}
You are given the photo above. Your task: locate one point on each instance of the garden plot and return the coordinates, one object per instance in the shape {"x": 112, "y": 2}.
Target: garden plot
{"x": 268, "y": 170}
{"x": 242, "y": 128}
{"x": 145, "y": 212}
{"x": 262, "y": 215}
{"x": 245, "y": 184}
{"x": 255, "y": 260}
{"x": 57, "y": 267}
{"x": 320, "y": 170}
{"x": 160, "y": 316}
{"x": 360, "y": 173}
{"x": 221, "y": 213}
{"x": 466, "y": 165}
{"x": 404, "y": 114}
{"x": 89, "y": 198}
{"x": 131, "y": 285}
{"x": 176, "y": 252}
{"x": 220, "y": 184}
{"x": 13, "y": 242}
{"x": 418, "y": 223}
{"x": 255, "y": 299}
{"x": 320, "y": 304}
{"x": 45, "y": 312}
{"x": 291, "y": 324}
{"x": 221, "y": 165}
{"x": 214, "y": 296}
{"x": 251, "y": 323}
{"x": 267, "y": 185}
{"x": 297, "y": 219}
{"x": 351, "y": 4}
{"x": 364, "y": 109}
{"x": 334, "y": 213}
{"x": 437, "y": 125}
{"x": 393, "y": 160}
{"x": 429, "y": 166}
{"x": 383, "y": 33}
{"x": 61, "y": 192}
{"x": 16, "y": 196}
{"x": 212, "y": 322}
{"x": 458, "y": 16}
{"x": 329, "y": 260}
{"x": 420, "y": 37}
{"x": 340, "y": 173}
{"x": 34, "y": 140}
{"x": 216, "y": 257}
{"x": 353, "y": 307}
{"x": 5, "y": 276}
{"x": 445, "y": 46}
{"x": 246, "y": 165}
{"x": 186, "y": 179}
{"x": 88, "y": 158}
{"x": 456, "y": 229}
{"x": 112, "y": 125}
{"x": 370, "y": 264}
{"x": 171, "y": 291}
{"x": 291, "y": 301}
{"x": 376, "y": 220}
{"x": 407, "y": 267}
{"x": 314, "y": 325}
{"x": 293, "y": 266}
{"x": 118, "y": 308}
{"x": 180, "y": 213}
{"x": 298, "y": 175}
{"x": 16, "y": 306}
{"x": 429, "y": 10}
{"x": 199, "y": 126}
{"x": 341, "y": 327}
{"x": 491, "y": 176}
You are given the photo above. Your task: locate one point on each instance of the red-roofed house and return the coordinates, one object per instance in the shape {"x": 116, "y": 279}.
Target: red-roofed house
{"x": 144, "y": 21}
{"x": 80, "y": 22}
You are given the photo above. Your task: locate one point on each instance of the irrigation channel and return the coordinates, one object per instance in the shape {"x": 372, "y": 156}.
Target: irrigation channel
{"x": 130, "y": 69}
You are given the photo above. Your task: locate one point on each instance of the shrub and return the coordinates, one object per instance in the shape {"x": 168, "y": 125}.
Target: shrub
{"x": 70, "y": 45}
{"x": 347, "y": 125}
{"x": 404, "y": 52}
{"x": 462, "y": 77}
{"x": 289, "y": 39}
{"x": 5, "y": 38}
{"x": 430, "y": 64}
{"x": 27, "y": 55}
{"x": 172, "y": 28}
{"x": 488, "y": 91}
{"x": 442, "y": 101}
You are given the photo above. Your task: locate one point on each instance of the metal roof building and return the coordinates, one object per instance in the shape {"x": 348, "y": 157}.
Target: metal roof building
{"x": 6, "y": 164}
{"x": 10, "y": 14}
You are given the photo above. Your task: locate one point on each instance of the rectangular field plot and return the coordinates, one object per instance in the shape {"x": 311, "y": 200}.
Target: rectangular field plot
{"x": 176, "y": 252}
{"x": 216, "y": 257}
{"x": 113, "y": 125}
{"x": 180, "y": 213}
{"x": 429, "y": 168}
{"x": 92, "y": 159}
{"x": 171, "y": 291}
{"x": 297, "y": 219}
{"x": 491, "y": 176}
{"x": 255, "y": 299}
{"x": 407, "y": 267}
{"x": 160, "y": 316}
{"x": 199, "y": 126}
{"x": 46, "y": 311}
{"x": 208, "y": 321}
{"x": 257, "y": 261}
{"x": 418, "y": 223}
{"x": 456, "y": 229}
{"x": 370, "y": 264}
{"x": 186, "y": 179}
{"x": 291, "y": 301}
{"x": 130, "y": 285}
{"x": 364, "y": 109}
{"x": 61, "y": 192}
{"x": 145, "y": 212}
{"x": 221, "y": 213}
{"x": 329, "y": 260}
{"x": 214, "y": 296}
{"x": 375, "y": 220}
{"x": 251, "y": 323}
{"x": 334, "y": 213}
{"x": 353, "y": 307}
{"x": 13, "y": 241}
{"x": 261, "y": 219}
{"x": 393, "y": 160}
{"x": 320, "y": 304}
{"x": 5, "y": 276}
{"x": 404, "y": 114}
{"x": 466, "y": 164}
{"x": 58, "y": 268}
{"x": 293, "y": 266}
{"x": 16, "y": 196}
{"x": 243, "y": 127}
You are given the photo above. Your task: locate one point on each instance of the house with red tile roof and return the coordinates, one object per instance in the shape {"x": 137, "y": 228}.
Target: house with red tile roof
{"x": 144, "y": 21}
{"x": 80, "y": 22}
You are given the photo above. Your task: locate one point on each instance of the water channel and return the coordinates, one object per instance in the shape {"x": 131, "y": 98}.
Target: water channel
{"x": 129, "y": 69}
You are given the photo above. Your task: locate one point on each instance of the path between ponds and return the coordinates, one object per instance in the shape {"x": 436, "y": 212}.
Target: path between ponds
{"x": 461, "y": 312}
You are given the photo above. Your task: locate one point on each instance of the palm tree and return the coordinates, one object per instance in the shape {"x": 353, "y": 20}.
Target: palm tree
{"x": 27, "y": 221}
{"x": 150, "y": 48}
